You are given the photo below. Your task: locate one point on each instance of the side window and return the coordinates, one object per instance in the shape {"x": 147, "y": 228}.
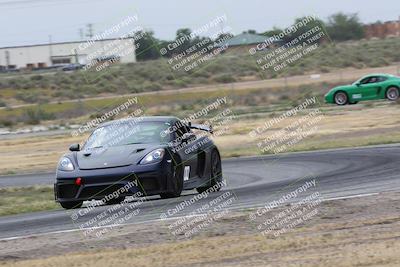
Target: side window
{"x": 373, "y": 80}
{"x": 382, "y": 79}
{"x": 365, "y": 80}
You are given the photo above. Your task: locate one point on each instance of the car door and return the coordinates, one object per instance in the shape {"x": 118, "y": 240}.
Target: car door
{"x": 355, "y": 90}
{"x": 187, "y": 150}
{"x": 371, "y": 88}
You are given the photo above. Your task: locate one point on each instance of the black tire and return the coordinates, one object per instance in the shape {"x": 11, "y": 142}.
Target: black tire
{"x": 71, "y": 204}
{"x": 215, "y": 173}
{"x": 392, "y": 93}
{"x": 115, "y": 201}
{"x": 341, "y": 98}
{"x": 176, "y": 182}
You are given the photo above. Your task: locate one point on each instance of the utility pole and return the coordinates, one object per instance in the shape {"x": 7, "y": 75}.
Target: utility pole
{"x": 89, "y": 30}
{"x": 398, "y": 27}
{"x": 51, "y": 49}
{"x": 81, "y": 35}
{"x": 221, "y": 24}
{"x": 76, "y": 56}
{"x": 7, "y": 59}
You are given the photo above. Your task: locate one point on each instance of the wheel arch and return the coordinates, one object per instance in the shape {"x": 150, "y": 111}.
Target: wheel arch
{"x": 340, "y": 91}
{"x": 208, "y": 161}
{"x": 390, "y": 86}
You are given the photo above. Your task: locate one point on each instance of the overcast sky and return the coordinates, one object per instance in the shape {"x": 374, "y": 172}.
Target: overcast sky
{"x": 25, "y": 22}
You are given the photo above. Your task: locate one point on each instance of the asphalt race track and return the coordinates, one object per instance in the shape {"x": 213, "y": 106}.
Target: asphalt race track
{"x": 254, "y": 181}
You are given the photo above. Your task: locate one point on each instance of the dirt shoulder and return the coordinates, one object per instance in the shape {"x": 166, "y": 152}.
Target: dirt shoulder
{"x": 349, "y": 232}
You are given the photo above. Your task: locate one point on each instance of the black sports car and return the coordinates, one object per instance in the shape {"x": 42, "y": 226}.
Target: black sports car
{"x": 145, "y": 155}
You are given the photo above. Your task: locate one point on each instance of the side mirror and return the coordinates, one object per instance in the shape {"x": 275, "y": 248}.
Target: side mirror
{"x": 358, "y": 84}
{"x": 74, "y": 147}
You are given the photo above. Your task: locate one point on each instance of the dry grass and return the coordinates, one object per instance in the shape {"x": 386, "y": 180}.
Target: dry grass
{"x": 340, "y": 127}
{"x": 15, "y": 200}
{"x": 33, "y": 154}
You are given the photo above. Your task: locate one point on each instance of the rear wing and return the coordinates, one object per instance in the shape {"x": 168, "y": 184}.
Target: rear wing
{"x": 201, "y": 127}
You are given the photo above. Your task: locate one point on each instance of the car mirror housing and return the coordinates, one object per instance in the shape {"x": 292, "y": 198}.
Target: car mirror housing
{"x": 74, "y": 147}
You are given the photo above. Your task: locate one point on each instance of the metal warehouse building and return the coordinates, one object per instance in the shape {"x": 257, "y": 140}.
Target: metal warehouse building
{"x": 57, "y": 54}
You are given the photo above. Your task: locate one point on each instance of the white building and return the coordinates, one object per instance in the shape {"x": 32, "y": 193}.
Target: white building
{"x": 84, "y": 52}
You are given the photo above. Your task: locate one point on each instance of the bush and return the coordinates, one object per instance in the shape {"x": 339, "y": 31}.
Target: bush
{"x": 36, "y": 77}
{"x": 29, "y": 97}
{"x": 6, "y": 123}
{"x": 224, "y": 78}
{"x": 152, "y": 87}
{"x": 35, "y": 115}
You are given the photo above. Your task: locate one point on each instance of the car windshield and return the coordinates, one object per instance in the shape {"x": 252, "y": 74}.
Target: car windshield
{"x": 126, "y": 133}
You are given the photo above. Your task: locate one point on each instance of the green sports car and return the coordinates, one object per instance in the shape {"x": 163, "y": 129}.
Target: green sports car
{"x": 371, "y": 87}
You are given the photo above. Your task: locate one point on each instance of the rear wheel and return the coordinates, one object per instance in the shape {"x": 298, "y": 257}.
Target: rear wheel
{"x": 71, "y": 204}
{"x": 341, "y": 98}
{"x": 392, "y": 93}
{"x": 216, "y": 173}
{"x": 176, "y": 183}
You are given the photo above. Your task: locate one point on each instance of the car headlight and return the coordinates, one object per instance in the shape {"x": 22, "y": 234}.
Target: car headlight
{"x": 153, "y": 156}
{"x": 65, "y": 164}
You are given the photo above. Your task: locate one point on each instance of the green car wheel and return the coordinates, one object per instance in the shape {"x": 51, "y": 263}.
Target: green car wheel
{"x": 392, "y": 93}
{"x": 341, "y": 98}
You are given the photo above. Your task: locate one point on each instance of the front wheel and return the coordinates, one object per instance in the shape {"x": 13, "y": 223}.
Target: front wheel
{"x": 71, "y": 204}
{"x": 215, "y": 173}
{"x": 176, "y": 183}
{"x": 392, "y": 93}
{"x": 341, "y": 98}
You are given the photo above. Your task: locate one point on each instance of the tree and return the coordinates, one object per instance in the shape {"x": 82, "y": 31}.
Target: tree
{"x": 147, "y": 45}
{"x": 310, "y": 25}
{"x": 342, "y": 27}
{"x": 183, "y": 40}
{"x": 274, "y": 31}
{"x": 250, "y": 31}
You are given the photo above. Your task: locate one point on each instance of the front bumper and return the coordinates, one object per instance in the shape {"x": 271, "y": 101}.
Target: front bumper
{"x": 96, "y": 184}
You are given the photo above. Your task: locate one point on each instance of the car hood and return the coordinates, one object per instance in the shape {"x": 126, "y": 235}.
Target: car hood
{"x": 110, "y": 157}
